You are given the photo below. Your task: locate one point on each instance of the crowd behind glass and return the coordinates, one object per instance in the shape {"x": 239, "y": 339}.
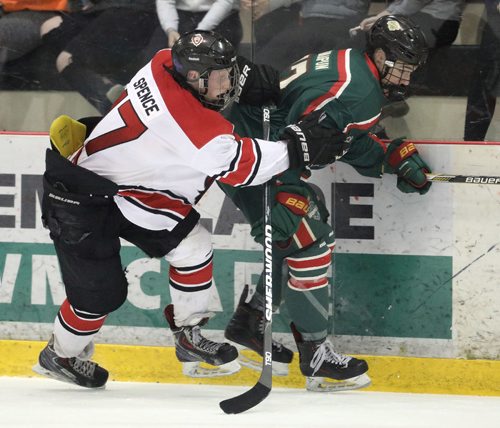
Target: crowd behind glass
{"x": 95, "y": 47}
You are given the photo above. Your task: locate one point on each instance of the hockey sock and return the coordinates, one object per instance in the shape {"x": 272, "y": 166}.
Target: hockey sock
{"x": 74, "y": 330}
{"x": 309, "y": 312}
{"x": 307, "y": 293}
{"x": 190, "y": 288}
{"x": 257, "y": 300}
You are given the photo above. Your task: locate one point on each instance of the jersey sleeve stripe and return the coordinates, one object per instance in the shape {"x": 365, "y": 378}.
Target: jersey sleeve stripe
{"x": 246, "y": 166}
{"x": 365, "y": 124}
{"x": 234, "y": 162}
{"x": 258, "y": 153}
{"x": 344, "y": 72}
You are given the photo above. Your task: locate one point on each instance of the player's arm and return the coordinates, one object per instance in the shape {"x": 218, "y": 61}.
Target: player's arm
{"x": 366, "y": 155}
{"x": 249, "y": 161}
{"x": 370, "y": 157}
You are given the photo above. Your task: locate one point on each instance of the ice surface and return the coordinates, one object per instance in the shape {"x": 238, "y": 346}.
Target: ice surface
{"x": 34, "y": 402}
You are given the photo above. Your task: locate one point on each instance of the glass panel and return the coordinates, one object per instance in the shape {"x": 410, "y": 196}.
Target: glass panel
{"x": 461, "y": 74}
{"x": 74, "y": 61}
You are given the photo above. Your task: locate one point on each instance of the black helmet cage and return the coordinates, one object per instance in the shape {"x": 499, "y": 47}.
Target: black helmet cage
{"x": 205, "y": 51}
{"x": 400, "y": 39}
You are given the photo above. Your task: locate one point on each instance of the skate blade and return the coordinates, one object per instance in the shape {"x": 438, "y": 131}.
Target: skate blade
{"x": 197, "y": 369}
{"x": 37, "y": 368}
{"x": 279, "y": 369}
{"x": 324, "y": 384}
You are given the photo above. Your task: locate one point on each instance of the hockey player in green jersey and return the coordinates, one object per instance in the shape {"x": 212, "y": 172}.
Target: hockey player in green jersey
{"x": 348, "y": 88}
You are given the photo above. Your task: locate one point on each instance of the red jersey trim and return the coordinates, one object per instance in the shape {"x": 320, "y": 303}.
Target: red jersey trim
{"x": 366, "y": 124}
{"x": 373, "y": 68}
{"x": 246, "y": 164}
{"x": 338, "y": 87}
{"x": 157, "y": 201}
{"x": 200, "y": 124}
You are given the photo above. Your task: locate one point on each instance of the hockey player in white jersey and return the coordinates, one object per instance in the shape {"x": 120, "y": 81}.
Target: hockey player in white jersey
{"x": 137, "y": 176}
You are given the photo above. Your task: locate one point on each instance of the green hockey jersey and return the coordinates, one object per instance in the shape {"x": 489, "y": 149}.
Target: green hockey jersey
{"x": 344, "y": 85}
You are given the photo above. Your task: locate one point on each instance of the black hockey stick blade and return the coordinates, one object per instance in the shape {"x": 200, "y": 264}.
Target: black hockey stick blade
{"x": 243, "y": 402}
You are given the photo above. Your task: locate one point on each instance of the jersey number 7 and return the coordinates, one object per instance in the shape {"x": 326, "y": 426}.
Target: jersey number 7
{"x": 132, "y": 130}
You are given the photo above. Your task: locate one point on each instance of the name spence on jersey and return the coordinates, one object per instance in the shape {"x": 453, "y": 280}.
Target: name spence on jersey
{"x": 145, "y": 97}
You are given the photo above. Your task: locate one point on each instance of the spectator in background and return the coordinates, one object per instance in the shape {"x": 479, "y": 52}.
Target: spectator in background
{"x": 26, "y": 25}
{"x": 324, "y": 26}
{"x": 270, "y": 15}
{"x": 485, "y": 83}
{"x": 181, "y": 16}
{"x": 439, "y": 20}
{"x": 107, "y": 52}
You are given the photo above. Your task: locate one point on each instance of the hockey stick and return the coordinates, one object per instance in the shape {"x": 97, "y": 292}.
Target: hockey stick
{"x": 262, "y": 388}
{"x": 470, "y": 179}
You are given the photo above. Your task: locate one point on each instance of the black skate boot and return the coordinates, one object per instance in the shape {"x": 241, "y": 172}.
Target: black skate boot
{"x": 72, "y": 370}
{"x": 191, "y": 348}
{"x": 246, "y": 328}
{"x": 327, "y": 370}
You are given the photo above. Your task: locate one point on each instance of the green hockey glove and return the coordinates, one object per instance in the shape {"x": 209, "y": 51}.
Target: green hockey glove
{"x": 291, "y": 203}
{"x": 402, "y": 158}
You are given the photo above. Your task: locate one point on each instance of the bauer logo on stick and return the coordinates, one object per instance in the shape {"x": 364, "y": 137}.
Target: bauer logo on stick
{"x": 483, "y": 180}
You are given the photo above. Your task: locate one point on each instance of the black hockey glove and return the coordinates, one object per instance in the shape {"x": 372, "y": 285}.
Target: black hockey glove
{"x": 313, "y": 145}
{"x": 259, "y": 84}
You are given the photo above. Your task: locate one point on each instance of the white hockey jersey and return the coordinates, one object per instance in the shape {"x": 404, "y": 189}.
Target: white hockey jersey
{"x": 164, "y": 149}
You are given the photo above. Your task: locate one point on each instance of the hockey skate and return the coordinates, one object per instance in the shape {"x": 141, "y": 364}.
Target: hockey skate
{"x": 327, "y": 370}
{"x": 72, "y": 370}
{"x": 246, "y": 328}
{"x": 191, "y": 349}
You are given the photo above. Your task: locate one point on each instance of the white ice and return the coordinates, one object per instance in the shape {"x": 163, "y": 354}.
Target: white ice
{"x": 40, "y": 403}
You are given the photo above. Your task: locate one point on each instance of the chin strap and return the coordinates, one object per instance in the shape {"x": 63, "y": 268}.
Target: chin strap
{"x": 396, "y": 92}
